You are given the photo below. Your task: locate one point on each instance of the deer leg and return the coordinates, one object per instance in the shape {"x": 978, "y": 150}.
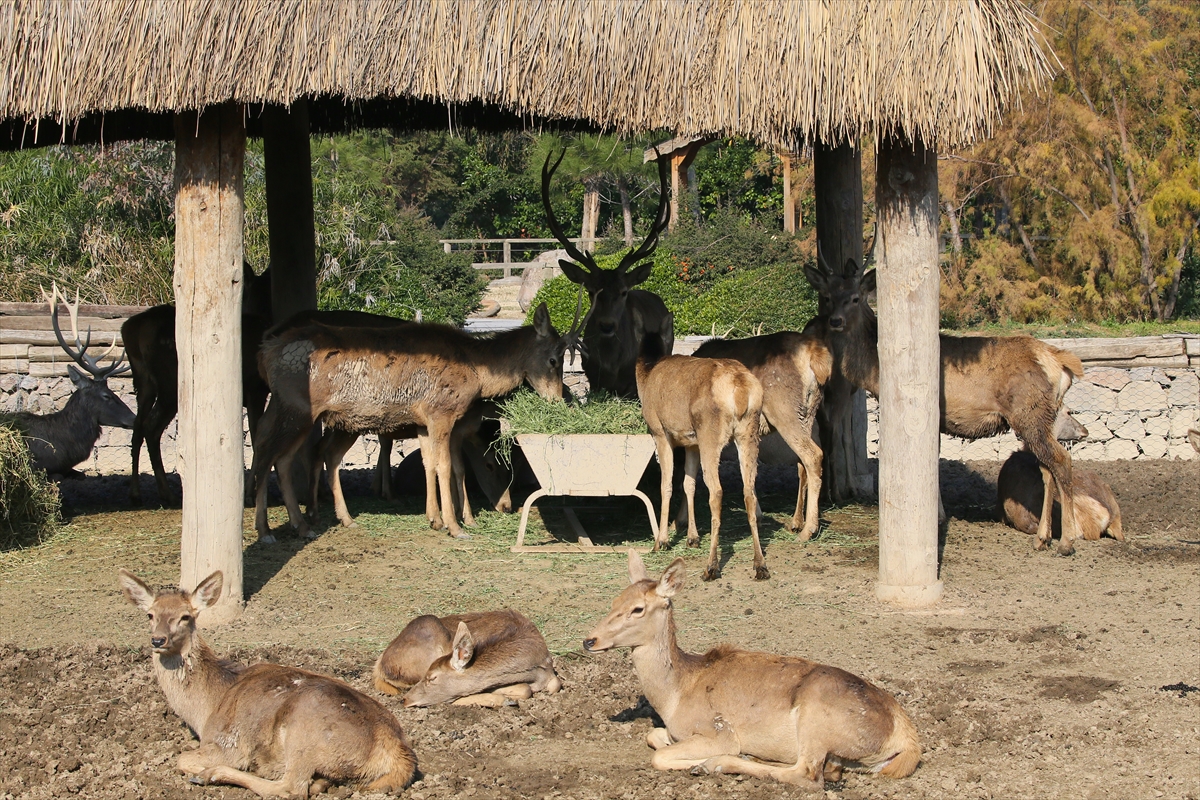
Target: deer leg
{"x": 429, "y": 462}
{"x": 1044, "y": 521}
{"x": 747, "y": 447}
{"x": 294, "y": 783}
{"x": 458, "y": 472}
{"x": 691, "y": 466}
{"x": 710, "y": 457}
{"x": 314, "y": 474}
{"x": 695, "y": 750}
{"x": 145, "y": 402}
{"x": 381, "y": 484}
{"x": 441, "y": 441}
{"x": 155, "y": 426}
{"x": 666, "y": 465}
{"x": 283, "y": 471}
{"x": 798, "y": 435}
{"x": 1055, "y": 462}
{"x": 342, "y": 442}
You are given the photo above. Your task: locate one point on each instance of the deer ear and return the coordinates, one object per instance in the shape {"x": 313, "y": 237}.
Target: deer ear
{"x": 637, "y": 568}
{"x": 639, "y": 274}
{"x": 78, "y": 378}
{"x": 135, "y": 590}
{"x": 816, "y": 278}
{"x": 208, "y": 591}
{"x": 574, "y": 273}
{"x": 541, "y": 321}
{"x": 851, "y": 268}
{"x": 463, "y": 649}
{"x": 671, "y": 580}
{"x": 866, "y": 284}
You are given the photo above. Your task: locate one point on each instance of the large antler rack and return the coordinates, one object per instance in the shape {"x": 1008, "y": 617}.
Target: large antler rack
{"x": 584, "y": 259}
{"x": 79, "y": 353}
{"x": 661, "y": 218}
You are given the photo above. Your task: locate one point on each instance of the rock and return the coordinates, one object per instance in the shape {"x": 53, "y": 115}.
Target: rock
{"x": 9, "y": 382}
{"x": 532, "y": 278}
{"x": 1153, "y": 446}
{"x": 1182, "y": 450}
{"x": 1132, "y": 431}
{"x": 1089, "y": 451}
{"x": 1185, "y": 390}
{"x": 1098, "y": 432}
{"x": 1182, "y": 420}
{"x": 1142, "y": 396}
{"x": 1107, "y": 377}
{"x": 29, "y": 383}
{"x": 1159, "y": 377}
{"x": 1085, "y": 396}
{"x": 61, "y": 388}
{"x": 1121, "y": 450}
{"x": 1141, "y": 374}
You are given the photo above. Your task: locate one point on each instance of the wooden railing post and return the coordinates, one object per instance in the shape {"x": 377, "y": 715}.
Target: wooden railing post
{"x": 209, "y": 157}
{"x": 507, "y": 258}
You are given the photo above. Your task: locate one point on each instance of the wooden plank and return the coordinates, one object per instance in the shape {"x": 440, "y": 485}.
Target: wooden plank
{"x": 1173, "y": 362}
{"x": 85, "y": 310}
{"x": 14, "y": 366}
{"x": 47, "y": 369}
{"x": 47, "y": 338}
{"x": 42, "y": 323}
{"x": 14, "y": 350}
{"x": 1120, "y": 348}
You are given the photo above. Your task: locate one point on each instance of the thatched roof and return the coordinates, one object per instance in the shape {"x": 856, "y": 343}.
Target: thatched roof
{"x": 776, "y": 70}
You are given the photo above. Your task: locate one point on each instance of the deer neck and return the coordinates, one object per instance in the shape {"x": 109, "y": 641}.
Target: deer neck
{"x": 193, "y": 681}
{"x": 661, "y": 667}
{"x": 498, "y": 363}
{"x": 856, "y": 350}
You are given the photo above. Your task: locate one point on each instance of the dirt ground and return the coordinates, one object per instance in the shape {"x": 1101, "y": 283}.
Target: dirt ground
{"x": 1036, "y": 676}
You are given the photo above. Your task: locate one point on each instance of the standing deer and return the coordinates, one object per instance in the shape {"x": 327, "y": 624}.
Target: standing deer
{"x": 738, "y": 711}
{"x": 149, "y": 339}
{"x": 1020, "y": 496}
{"x": 620, "y": 317}
{"x": 358, "y": 379}
{"x": 988, "y": 383}
{"x": 483, "y": 659}
{"x": 62, "y": 439}
{"x": 792, "y": 368}
{"x": 702, "y": 404}
{"x": 265, "y": 718}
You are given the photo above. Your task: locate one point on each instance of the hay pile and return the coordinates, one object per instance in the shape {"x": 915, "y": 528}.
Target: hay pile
{"x": 526, "y": 412}
{"x": 29, "y": 501}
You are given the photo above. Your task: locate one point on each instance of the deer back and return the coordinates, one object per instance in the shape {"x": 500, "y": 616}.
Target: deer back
{"x": 683, "y": 393}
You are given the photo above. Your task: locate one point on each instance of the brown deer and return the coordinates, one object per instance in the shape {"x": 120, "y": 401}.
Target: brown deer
{"x": 989, "y": 384}
{"x": 792, "y": 368}
{"x": 484, "y": 659}
{"x": 702, "y": 404}
{"x": 1194, "y": 438}
{"x": 620, "y": 317}
{"x": 306, "y": 728}
{"x": 1020, "y": 494}
{"x": 149, "y": 339}
{"x": 738, "y": 711}
{"x": 60, "y": 440}
{"x": 357, "y": 379}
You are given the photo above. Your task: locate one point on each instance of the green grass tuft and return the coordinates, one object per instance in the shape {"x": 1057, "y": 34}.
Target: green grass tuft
{"x": 528, "y": 412}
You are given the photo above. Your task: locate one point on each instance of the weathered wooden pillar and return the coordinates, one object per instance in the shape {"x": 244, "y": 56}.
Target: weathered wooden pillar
{"x": 843, "y": 415}
{"x": 906, "y": 196}
{"x": 209, "y": 154}
{"x": 287, "y": 161}
{"x": 789, "y": 202}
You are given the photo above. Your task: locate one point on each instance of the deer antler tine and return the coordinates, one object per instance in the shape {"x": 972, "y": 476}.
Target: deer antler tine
{"x": 661, "y": 217}
{"x": 821, "y": 262}
{"x": 869, "y": 258}
{"x": 583, "y": 259}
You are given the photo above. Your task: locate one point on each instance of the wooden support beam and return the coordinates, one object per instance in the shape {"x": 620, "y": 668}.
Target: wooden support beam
{"x": 843, "y": 414}
{"x": 209, "y": 156}
{"x": 287, "y": 161}
{"x": 789, "y": 202}
{"x": 906, "y": 195}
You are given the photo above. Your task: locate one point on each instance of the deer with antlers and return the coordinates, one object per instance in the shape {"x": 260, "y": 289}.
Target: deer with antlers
{"x": 989, "y": 384}
{"x": 59, "y": 441}
{"x": 620, "y": 317}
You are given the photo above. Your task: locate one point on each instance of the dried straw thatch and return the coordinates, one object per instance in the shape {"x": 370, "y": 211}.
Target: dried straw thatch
{"x": 775, "y": 70}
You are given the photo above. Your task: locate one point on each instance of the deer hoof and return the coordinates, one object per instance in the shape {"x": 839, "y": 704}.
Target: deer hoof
{"x": 693, "y": 542}
{"x": 1066, "y": 548}
{"x": 267, "y": 538}
{"x": 710, "y": 574}
{"x": 459, "y": 535}
{"x": 1039, "y": 544}
{"x": 762, "y": 574}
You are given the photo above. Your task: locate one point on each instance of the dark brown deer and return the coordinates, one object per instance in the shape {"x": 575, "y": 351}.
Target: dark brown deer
{"x": 62, "y": 439}
{"x": 1020, "y": 496}
{"x": 149, "y": 339}
{"x": 701, "y": 405}
{"x": 488, "y": 658}
{"x": 357, "y": 379}
{"x": 620, "y": 317}
{"x": 743, "y": 712}
{"x": 303, "y": 728}
{"x": 989, "y": 384}
{"x": 792, "y": 368}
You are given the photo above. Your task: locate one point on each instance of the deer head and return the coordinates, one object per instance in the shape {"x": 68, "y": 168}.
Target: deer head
{"x": 846, "y": 291}
{"x": 641, "y": 611}
{"x": 172, "y": 612}
{"x": 607, "y": 288}
{"x": 109, "y": 408}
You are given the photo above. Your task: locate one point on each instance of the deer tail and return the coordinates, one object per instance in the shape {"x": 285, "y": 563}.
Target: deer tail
{"x": 382, "y": 684}
{"x": 900, "y": 754}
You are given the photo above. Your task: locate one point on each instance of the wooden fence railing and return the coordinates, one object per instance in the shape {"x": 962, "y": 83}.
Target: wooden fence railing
{"x": 483, "y": 248}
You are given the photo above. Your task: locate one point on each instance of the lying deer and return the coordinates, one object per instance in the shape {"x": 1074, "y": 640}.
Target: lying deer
{"x": 988, "y": 383}
{"x": 265, "y": 718}
{"x": 60, "y": 440}
{"x": 484, "y": 659}
{"x": 739, "y": 711}
{"x": 355, "y": 379}
{"x": 1020, "y": 493}
{"x": 792, "y": 368}
{"x": 1194, "y": 438}
{"x": 702, "y": 404}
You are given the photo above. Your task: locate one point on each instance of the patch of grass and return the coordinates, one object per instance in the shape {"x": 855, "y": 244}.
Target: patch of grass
{"x": 1085, "y": 330}
{"x": 527, "y": 412}
{"x": 29, "y": 502}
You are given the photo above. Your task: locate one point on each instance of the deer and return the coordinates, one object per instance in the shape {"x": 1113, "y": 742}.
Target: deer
{"x": 1020, "y": 494}
{"x": 619, "y": 316}
{"x": 62, "y": 439}
{"x": 989, "y": 384}
{"x": 1194, "y": 437}
{"x": 308, "y": 729}
{"x": 702, "y": 404}
{"x": 745, "y": 712}
{"x": 355, "y": 378}
{"x": 792, "y": 368}
{"x": 489, "y": 658}
{"x": 149, "y": 339}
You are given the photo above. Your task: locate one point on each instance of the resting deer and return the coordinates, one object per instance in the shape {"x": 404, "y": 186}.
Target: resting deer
{"x": 265, "y": 718}
{"x": 149, "y": 339}
{"x": 702, "y": 404}
{"x": 739, "y": 711}
{"x": 358, "y": 379}
{"x": 988, "y": 383}
{"x": 1194, "y": 438}
{"x": 60, "y": 440}
{"x": 484, "y": 659}
{"x": 792, "y": 368}
{"x": 620, "y": 317}
{"x": 1020, "y": 496}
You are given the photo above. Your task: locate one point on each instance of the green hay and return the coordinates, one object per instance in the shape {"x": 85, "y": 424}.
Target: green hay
{"x": 29, "y": 502}
{"x": 528, "y": 412}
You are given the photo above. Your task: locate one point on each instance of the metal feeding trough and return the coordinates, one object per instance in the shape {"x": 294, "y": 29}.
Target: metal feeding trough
{"x": 584, "y": 465}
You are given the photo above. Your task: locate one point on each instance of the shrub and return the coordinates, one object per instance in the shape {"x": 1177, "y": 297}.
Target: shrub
{"x": 29, "y": 502}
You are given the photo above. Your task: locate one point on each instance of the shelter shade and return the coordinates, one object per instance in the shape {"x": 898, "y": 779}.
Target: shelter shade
{"x": 906, "y": 195}
{"x": 209, "y": 156}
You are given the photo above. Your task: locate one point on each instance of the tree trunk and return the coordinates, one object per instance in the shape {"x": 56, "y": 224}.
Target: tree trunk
{"x": 209, "y": 156}
{"x": 906, "y": 196}
{"x": 789, "y": 202}
{"x": 287, "y": 162}
{"x": 626, "y": 211}
{"x": 1006, "y": 198}
{"x": 591, "y": 213}
{"x": 843, "y": 413}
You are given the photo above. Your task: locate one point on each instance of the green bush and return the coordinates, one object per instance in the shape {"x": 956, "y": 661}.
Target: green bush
{"x": 29, "y": 502}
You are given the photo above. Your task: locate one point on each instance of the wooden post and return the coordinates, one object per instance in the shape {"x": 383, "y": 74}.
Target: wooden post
{"x": 678, "y": 184}
{"x": 287, "y": 162}
{"x": 843, "y": 414}
{"x": 209, "y": 154}
{"x": 789, "y": 202}
{"x": 906, "y": 195}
